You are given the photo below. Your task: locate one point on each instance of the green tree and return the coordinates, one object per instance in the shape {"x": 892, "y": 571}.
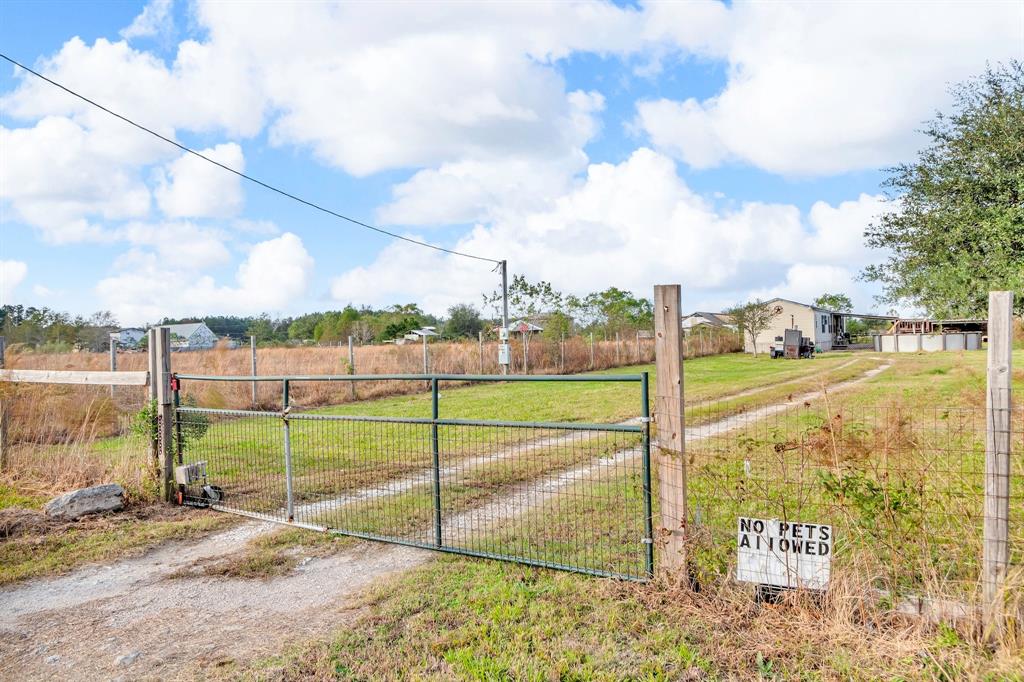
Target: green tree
{"x": 526, "y": 299}
{"x": 840, "y": 303}
{"x": 463, "y": 321}
{"x": 957, "y": 230}
{"x": 752, "y": 318}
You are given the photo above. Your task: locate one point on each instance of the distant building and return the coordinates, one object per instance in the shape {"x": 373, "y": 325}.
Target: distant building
{"x": 191, "y": 336}
{"x": 128, "y": 337}
{"x": 820, "y": 325}
{"x": 694, "y": 321}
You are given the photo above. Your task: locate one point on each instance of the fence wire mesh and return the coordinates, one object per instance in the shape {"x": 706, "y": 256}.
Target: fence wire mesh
{"x": 903, "y": 486}
{"x": 561, "y": 495}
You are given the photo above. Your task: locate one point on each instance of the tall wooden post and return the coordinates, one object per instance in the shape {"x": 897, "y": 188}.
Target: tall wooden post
{"x": 996, "y": 551}
{"x": 352, "y": 366}
{"x": 252, "y": 353}
{"x": 668, "y": 415}
{"x": 165, "y": 413}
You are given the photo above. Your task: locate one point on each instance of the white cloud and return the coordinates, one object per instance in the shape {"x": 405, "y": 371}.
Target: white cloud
{"x": 804, "y": 282}
{"x": 58, "y": 173}
{"x": 627, "y": 225}
{"x": 187, "y": 245}
{"x": 196, "y": 188}
{"x": 274, "y": 274}
{"x": 819, "y": 88}
{"x": 12, "y": 273}
{"x": 42, "y": 291}
{"x": 155, "y": 19}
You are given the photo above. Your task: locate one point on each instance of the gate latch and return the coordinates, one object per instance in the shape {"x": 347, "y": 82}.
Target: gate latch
{"x": 175, "y": 383}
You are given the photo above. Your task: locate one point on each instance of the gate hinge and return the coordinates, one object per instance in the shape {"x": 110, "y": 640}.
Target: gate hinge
{"x": 647, "y": 541}
{"x": 646, "y": 420}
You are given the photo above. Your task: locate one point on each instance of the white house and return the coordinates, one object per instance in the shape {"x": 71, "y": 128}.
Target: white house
{"x": 696, "y": 320}
{"x": 820, "y": 325}
{"x": 191, "y": 336}
{"x": 128, "y": 337}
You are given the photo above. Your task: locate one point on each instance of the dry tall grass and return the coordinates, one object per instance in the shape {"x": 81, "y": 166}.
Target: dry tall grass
{"x": 54, "y": 413}
{"x": 53, "y": 429}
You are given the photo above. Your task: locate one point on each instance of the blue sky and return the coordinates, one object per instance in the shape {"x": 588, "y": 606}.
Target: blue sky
{"x": 733, "y": 148}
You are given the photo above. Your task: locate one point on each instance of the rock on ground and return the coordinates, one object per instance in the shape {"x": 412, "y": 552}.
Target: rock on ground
{"x": 94, "y": 500}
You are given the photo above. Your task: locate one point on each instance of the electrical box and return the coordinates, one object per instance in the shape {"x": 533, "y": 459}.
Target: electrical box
{"x": 503, "y": 334}
{"x": 503, "y": 354}
{"x": 189, "y": 473}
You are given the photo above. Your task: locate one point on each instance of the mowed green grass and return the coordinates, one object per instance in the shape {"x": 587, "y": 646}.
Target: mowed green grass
{"x": 331, "y": 457}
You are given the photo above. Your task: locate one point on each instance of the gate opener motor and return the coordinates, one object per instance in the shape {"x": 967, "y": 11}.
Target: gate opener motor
{"x": 187, "y": 474}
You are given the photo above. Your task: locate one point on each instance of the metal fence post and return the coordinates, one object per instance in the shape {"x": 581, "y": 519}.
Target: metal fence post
{"x": 352, "y": 365}
{"x": 668, "y": 409}
{"x": 113, "y": 360}
{"x": 996, "y": 533}
{"x": 165, "y": 413}
{"x": 561, "y": 355}
{"x": 481, "y": 335}
{"x": 287, "y": 453}
{"x": 591, "y": 350}
{"x": 645, "y": 413}
{"x": 252, "y": 350}
{"x": 436, "y": 453}
{"x": 638, "y": 346}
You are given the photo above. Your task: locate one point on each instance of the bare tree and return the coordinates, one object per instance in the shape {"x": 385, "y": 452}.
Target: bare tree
{"x": 753, "y": 318}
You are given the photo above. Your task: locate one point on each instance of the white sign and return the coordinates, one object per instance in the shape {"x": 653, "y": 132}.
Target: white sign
{"x": 784, "y": 553}
{"x": 503, "y": 354}
{"x": 503, "y": 333}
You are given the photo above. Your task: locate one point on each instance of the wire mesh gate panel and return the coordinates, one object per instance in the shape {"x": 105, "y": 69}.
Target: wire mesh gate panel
{"x": 902, "y": 485}
{"x": 565, "y": 495}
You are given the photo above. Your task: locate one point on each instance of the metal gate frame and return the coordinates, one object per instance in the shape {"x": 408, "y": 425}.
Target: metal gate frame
{"x": 643, "y": 428}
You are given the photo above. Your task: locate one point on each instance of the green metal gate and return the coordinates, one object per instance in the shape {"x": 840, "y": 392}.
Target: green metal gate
{"x": 564, "y": 495}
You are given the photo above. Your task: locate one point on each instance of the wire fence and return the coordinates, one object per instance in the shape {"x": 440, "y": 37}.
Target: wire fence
{"x": 572, "y": 496}
{"x": 901, "y": 485}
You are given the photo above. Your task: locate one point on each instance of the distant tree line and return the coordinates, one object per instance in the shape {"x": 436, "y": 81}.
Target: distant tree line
{"x": 603, "y": 313}
{"x": 54, "y": 331}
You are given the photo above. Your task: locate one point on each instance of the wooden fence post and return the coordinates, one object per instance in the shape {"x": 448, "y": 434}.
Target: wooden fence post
{"x": 480, "y": 335}
{"x": 996, "y": 552}
{"x": 165, "y": 412}
{"x": 561, "y": 354}
{"x": 591, "y": 350}
{"x": 668, "y": 415}
{"x": 252, "y": 352}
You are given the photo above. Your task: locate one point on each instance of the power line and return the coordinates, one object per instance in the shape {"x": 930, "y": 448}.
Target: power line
{"x": 243, "y": 175}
